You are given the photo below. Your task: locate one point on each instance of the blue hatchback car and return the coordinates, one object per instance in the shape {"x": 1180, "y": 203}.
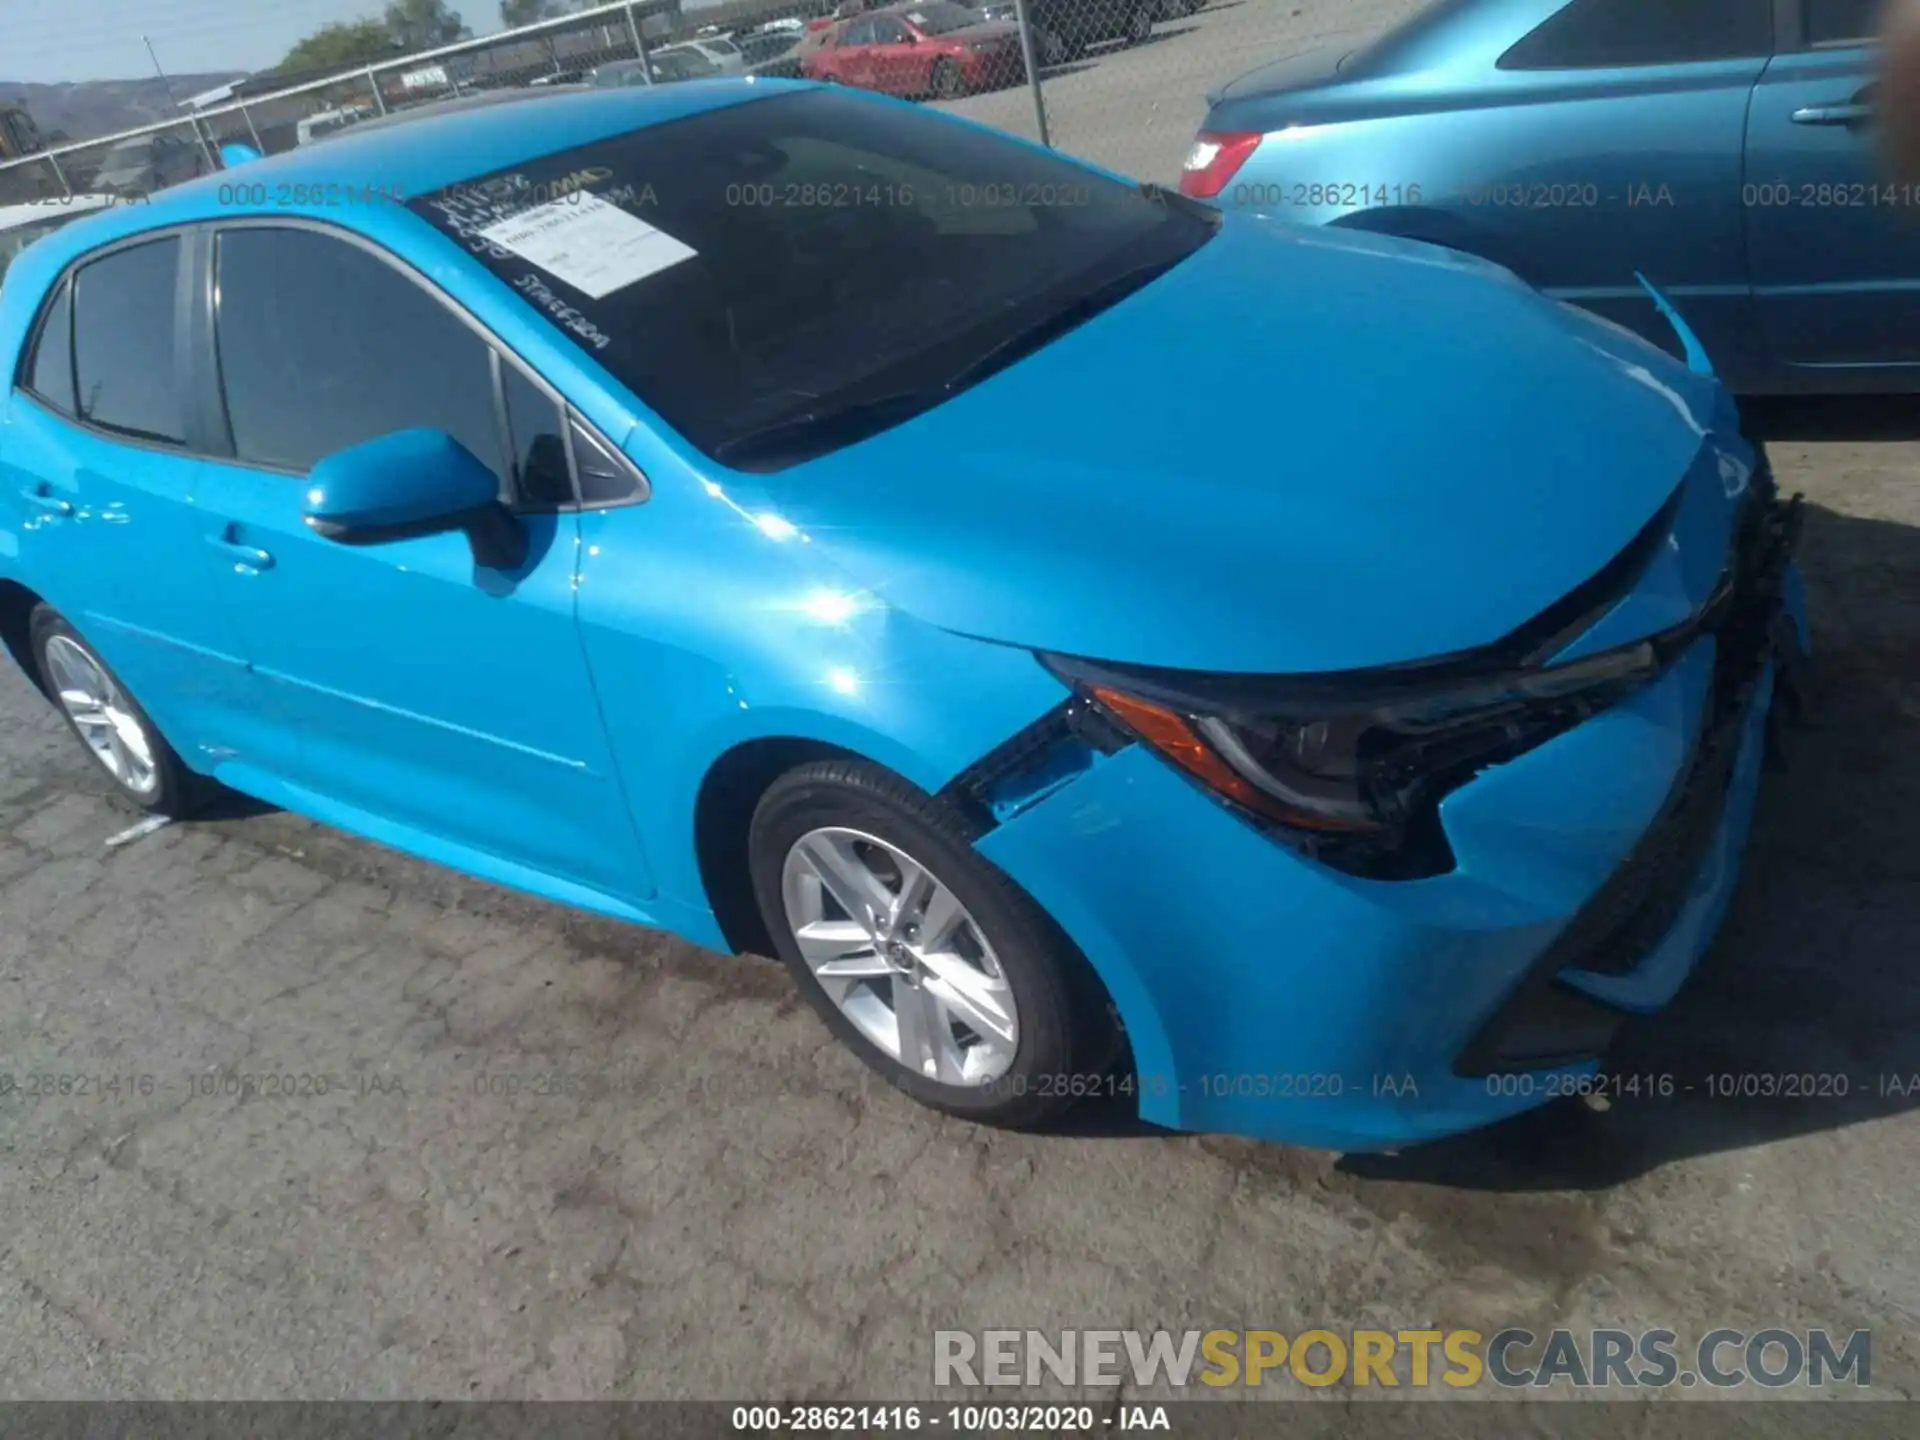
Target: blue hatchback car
{"x": 1727, "y": 149}
{"x": 1307, "y": 681}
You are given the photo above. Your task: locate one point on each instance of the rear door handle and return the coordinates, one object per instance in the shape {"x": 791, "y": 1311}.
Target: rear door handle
{"x": 40, "y": 499}
{"x": 248, "y": 558}
{"x": 1851, "y": 113}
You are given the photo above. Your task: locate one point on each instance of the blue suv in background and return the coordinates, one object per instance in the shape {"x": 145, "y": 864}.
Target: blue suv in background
{"x": 1725, "y": 149}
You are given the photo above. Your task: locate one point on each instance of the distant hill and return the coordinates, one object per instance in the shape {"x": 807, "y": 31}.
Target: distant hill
{"x": 88, "y": 108}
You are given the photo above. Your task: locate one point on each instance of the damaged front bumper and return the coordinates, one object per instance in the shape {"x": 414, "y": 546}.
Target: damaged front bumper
{"x": 1267, "y": 995}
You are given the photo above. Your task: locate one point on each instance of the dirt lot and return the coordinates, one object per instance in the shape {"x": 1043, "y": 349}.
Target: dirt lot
{"x": 737, "y": 1212}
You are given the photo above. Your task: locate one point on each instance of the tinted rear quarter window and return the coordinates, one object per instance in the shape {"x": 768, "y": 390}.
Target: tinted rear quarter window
{"x": 1590, "y": 34}
{"x": 125, "y": 358}
{"x": 354, "y": 350}
{"x": 50, "y": 370}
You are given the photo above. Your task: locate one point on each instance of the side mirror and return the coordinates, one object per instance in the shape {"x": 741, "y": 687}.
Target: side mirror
{"x": 412, "y": 483}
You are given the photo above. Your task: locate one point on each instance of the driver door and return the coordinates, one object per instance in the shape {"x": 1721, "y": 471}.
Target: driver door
{"x": 854, "y": 54}
{"x": 431, "y": 702}
{"x": 899, "y": 62}
{"x": 1834, "y": 239}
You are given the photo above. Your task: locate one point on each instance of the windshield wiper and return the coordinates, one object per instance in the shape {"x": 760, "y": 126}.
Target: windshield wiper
{"x": 857, "y": 418}
{"x": 1049, "y": 328}
{"x": 1185, "y": 204}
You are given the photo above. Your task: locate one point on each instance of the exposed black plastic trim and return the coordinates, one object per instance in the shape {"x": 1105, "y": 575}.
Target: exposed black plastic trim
{"x": 1073, "y": 719}
{"x": 1634, "y": 909}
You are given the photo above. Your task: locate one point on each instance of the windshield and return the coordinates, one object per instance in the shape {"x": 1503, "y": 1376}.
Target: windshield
{"x": 767, "y": 261}
{"x": 940, "y": 17}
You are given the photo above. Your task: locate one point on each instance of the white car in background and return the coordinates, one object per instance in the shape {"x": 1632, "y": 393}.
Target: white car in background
{"x": 724, "y": 54}
{"x": 21, "y": 225}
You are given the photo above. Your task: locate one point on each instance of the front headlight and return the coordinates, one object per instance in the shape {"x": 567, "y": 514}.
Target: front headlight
{"x": 1351, "y": 771}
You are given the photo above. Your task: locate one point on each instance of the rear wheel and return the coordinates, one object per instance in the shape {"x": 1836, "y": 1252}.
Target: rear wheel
{"x": 109, "y": 721}
{"x": 946, "y": 81}
{"x": 929, "y": 963}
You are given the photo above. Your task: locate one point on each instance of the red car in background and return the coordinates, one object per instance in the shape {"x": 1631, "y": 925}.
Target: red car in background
{"x": 938, "y": 48}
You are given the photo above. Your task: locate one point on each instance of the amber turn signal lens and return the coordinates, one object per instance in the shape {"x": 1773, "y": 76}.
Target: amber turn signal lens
{"x": 1174, "y": 738}
{"x": 1170, "y": 734}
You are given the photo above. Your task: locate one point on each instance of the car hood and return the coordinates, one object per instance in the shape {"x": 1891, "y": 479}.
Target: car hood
{"x": 1301, "y": 449}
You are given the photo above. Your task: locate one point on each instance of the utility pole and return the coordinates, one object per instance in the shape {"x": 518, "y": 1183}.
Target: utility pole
{"x": 174, "y": 102}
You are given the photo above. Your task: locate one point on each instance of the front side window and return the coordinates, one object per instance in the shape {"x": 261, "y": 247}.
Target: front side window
{"x": 350, "y": 350}
{"x": 771, "y": 276}
{"x": 889, "y": 31}
{"x": 126, "y": 363}
{"x": 1593, "y": 34}
{"x": 50, "y": 370}
{"x": 1843, "y": 22}
{"x": 860, "y": 32}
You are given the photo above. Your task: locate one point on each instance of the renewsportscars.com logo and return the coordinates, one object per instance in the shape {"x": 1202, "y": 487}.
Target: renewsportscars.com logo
{"x": 1404, "y": 1359}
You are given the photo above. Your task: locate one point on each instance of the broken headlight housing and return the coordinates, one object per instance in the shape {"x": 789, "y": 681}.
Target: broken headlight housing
{"x": 1350, "y": 771}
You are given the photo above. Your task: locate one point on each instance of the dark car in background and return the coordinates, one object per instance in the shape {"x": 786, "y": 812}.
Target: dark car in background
{"x": 147, "y": 163}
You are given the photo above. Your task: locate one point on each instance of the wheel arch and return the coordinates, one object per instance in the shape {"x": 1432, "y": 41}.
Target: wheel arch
{"x": 17, "y": 605}
{"x": 722, "y": 816}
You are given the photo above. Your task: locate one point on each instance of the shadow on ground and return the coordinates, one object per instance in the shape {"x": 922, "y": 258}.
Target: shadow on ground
{"x": 1813, "y": 989}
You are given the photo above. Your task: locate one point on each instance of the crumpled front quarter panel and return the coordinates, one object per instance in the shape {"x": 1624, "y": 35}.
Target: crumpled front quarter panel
{"x": 709, "y": 621}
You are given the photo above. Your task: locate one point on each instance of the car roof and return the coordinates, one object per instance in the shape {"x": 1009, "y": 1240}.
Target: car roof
{"x": 400, "y": 161}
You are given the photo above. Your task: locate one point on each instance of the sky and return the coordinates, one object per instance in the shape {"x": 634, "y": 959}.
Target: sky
{"x": 49, "y": 41}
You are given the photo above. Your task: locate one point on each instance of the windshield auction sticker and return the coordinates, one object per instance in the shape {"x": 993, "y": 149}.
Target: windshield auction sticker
{"x": 583, "y": 241}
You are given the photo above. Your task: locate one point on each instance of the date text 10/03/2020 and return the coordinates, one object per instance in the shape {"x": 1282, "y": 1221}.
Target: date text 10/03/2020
{"x": 949, "y": 1419}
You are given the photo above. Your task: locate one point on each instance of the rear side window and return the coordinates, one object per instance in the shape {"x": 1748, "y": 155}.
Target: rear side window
{"x": 1843, "y": 22}
{"x": 125, "y": 361}
{"x": 1589, "y": 34}
{"x": 353, "y": 351}
{"x": 50, "y": 371}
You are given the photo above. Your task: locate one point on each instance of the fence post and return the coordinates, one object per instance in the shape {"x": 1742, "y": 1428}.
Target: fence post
{"x": 1033, "y": 70}
{"x": 379, "y": 100}
{"x": 206, "y": 149}
{"x": 59, "y": 174}
{"x": 247, "y": 115}
{"x": 639, "y": 44}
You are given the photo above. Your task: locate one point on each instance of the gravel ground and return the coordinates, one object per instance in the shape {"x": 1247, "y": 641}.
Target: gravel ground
{"x": 738, "y": 1212}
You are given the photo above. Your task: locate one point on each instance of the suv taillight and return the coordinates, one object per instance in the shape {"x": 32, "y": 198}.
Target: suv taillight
{"x": 1215, "y": 156}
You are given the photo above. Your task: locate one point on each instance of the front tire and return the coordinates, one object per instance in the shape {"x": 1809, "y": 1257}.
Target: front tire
{"x": 928, "y": 962}
{"x": 946, "y": 81}
{"x": 108, "y": 721}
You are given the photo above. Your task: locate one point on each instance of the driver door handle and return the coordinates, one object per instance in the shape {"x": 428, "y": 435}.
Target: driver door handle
{"x": 248, "y": 559}
{"x": 41, "y": 499}
{"x": 1857, "y": 111}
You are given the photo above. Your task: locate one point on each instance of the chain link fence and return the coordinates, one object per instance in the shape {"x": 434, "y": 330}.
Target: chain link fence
{"x": 1120, "y": 82}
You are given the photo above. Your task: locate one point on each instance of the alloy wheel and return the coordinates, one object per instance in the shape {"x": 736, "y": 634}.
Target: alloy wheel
{"x": 900, "y": 956}
{"x": 102, "y": 715}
